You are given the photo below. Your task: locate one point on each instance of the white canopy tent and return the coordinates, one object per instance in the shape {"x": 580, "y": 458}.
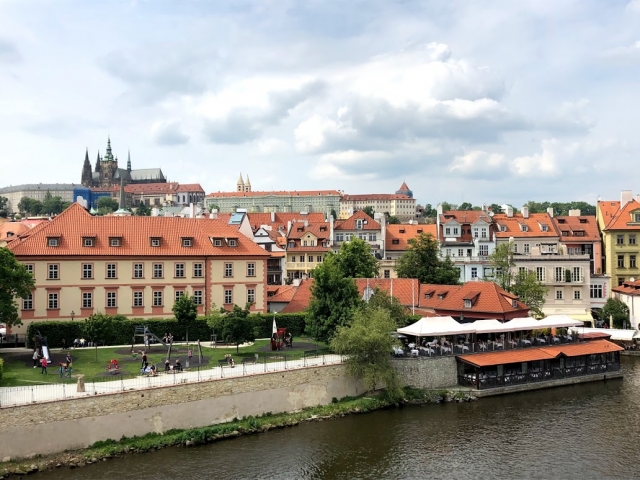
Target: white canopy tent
{"x": 617, "y": 334}
{"x": 522, "y": 323}
{"x": 490, "y": 326}
{"x": 559, "y": 321}
{"x": 436, "y": 326}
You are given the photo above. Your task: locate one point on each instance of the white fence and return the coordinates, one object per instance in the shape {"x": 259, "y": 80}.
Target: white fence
{"x": 13, "y": 396}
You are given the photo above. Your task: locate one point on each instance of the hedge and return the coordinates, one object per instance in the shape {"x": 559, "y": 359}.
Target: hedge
{"x": 199, "y": 330}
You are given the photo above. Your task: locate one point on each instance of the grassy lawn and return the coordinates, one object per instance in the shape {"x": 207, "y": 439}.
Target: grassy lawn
{"x": 18, "y": 370}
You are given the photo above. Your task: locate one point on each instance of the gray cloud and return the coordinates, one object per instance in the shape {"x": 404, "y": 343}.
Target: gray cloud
{"x": 9, "y": 52}
{"x": 170, "y": 134}
{"x": 244, "y": 125}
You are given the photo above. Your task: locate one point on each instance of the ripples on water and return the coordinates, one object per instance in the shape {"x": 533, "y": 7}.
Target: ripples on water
{"x": 582, "y": 432}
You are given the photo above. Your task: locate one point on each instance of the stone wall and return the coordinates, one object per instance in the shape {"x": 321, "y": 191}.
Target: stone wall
{"x": 77, "y": 423}
{"x": 427, "y": 372}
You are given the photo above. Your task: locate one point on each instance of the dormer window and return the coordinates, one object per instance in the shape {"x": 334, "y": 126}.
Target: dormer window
{"x": 440, "y": 296}
{"x": 565, "y": 233}
{"x": 88, "y": 242}
{"x": 467, "y": 304}
{"x": 359, "y": 223}
{"x": 233, "y": 242}
{"x": 155, "y": 241}
{"x": 114, "y": 241}
{"x": 582, "y": 220}
{"x": 419, "y": 230}
{"x": 395, "y": 241}
{"x": 402, "y": 230}
{"x": 636, "y": 217}
{"x": 217, "y": 242}
{"x": 427, "y": 295}
{"x": 545, "y": 228}
{"x": 514, "y": 303}
{"x": 524, "y": 228}
{"x": 53, "y": 241}
{"x": 561, "y": 220}
{"x": 187, "y": 242}
{"x": 503, "y": 228}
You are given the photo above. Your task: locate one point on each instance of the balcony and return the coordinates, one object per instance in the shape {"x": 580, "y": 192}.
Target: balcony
{"x": 471, "y": 259}
{"x": 274, "y": 268}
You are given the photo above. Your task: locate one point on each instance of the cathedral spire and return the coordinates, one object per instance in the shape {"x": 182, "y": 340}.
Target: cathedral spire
{"x": 128, "y": 160}
{"x": 86, "y": 170}
{"x": 98, "y": 169}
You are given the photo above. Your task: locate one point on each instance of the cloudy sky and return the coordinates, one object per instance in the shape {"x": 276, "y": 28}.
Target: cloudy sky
{"x": 500, "y": 102}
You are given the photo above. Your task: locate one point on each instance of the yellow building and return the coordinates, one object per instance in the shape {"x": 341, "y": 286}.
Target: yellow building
{"x": 137, "y": 266}
{"x": 307, "y": 245}
{"x": 619, "y": 224}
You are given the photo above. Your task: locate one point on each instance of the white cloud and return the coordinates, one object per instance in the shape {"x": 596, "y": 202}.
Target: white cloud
{"x": 339, "y": 163}
{"x": 268, "y": 146}
{"x": 168, "y": 133}
{"x": 545, "y": 163}
{"x": 478, "y": 162}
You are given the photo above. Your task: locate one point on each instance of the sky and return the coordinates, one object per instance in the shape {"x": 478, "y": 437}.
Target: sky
{"x": 481, "y": 102}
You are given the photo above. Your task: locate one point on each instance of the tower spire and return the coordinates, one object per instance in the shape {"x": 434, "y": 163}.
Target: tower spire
{"x": 98, "y": 169}
{"x": 86, "y": 170}
{"x": 128, "y": 160}
{"x": 109, "y": 155}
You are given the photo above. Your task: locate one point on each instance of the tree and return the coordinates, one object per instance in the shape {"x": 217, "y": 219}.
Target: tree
{"x": 334, "y": 214}
{"x": 393, "y": 220}
{"x": 213, "y": 206}
{"x": 30, "y": 206}
{"x": 104, "y": 328}
{"x": 53, "y": 205}
{"x": 107, "y": 205}
{"x": 429, "y": 211}
{"x": 368, "y": 343}
{"x": 234, "y": 326}
{"x": 3, "y": 203}
{"x": 15, "y": 281}
{"x": 495, "y": 208}
{"x": 447, "y": 207}
{"x": 422, "y": 261}
{"x": 530, "y": 291}
{"x": 355, "y": 259}
{"x": 502, "y": 260}
{"x": 334, "y": 298}
{"x": 369, "y": 210}
{"x": 465, "y": 206}
{"x": 616, "y": 313}
{"x": 185, "y": 311}
{"x": 143, "y": 210}
{"x": 382, "y": 300}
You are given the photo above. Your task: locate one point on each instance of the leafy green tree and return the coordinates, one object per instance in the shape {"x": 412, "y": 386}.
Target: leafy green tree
{"x": 103, "y": 328}
{"x": 185, "y": 311}
{"x": 382, "y": 300}
{"x": 143, "y": 210}
{"x": 368, "y": 343}
{"x": 235, "y": 326}
{"x": 30, "y": 206}
{"x": 495, "y": 208}
{"x": 617, "y": 312}
{"x": 422, "y": 260}
{"x": 3, "y": 203}
{"x": 447, "y": 207}
{"x": 502, "y": 260}
{"x": 393, "y": 220}
{"x": 15, "y": 281}
{"x": 465, "y": 206}
{"x": 334, "y": 214}
{"x": 334, "y": 298}
{"x": 355, "y": 259}
{"x": 53, "y": 205}
{"x": 369, "y": 211}
{"x": 107, "y": 205}
{"x": 429, "y": 211}
{"x": 213, "y": 206}
{"x": 530, "y": 291}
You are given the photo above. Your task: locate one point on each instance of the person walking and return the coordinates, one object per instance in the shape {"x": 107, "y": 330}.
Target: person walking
{"x": 189, "y": 356}
{"x": 145, "y": 360}
{"x": 36, "y": 357}
{"x": 43, "y": 364}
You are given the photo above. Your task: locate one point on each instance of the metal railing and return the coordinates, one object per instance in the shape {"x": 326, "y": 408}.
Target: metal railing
{"x": 274, "y": 362}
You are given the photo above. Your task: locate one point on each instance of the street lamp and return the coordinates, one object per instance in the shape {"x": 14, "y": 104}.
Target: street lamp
{"x": 73, "y": 314}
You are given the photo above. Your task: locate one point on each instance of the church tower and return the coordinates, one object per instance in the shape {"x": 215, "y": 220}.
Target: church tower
{"x": 108, "y": 167}
{"x": 87, "y": 178}
{"x": 247, "y": 185}
{"x": 240, "y": 184}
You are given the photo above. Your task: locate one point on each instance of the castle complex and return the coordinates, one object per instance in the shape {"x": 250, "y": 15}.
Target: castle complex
{"x": 107, "y": 173}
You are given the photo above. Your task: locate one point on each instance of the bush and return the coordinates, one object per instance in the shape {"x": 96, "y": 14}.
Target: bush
{"x": 293, "y": 322}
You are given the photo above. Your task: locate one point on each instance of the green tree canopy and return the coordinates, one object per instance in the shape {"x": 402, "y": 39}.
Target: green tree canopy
{"x": 3, "y": 203}
{"x": 422, "y": 260}
{"x": 495, "y": 208}
{"x": 15, "y": 281}
{"x": 213, "y": 206}
{"x": 369, "y": 211}
{"x": 530, "y": 291}
{"x": 465, "y": 206}
{"x": 143, "y": 210}
{"x": 393, "y": 220}
{"x": 333, "y": 301}
{"x": 561, "y": 208}
{"x": 103, "y": 328}
{"x": 502, "y": 260}
{"x": 30, "y": 206}
{"x": 382, "y": 300}
{"x": 368, "y": 343}
{"x": 616, "y": 311}
{"x": 355, "y": 259}
{"x": 107, "y": 205}
{"x": 429, "y": 211}
{"x": 334, "y": 214}
{"x": 53, "y": 205}
{"x": 447, "y": 207}
{"x": 234, "y": 326}
{"x": 185, "y": 311}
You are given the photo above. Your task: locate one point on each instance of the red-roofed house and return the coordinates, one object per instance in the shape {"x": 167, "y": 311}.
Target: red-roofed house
{"x": 307, "y": 244}
{"x": 629, "y": 293}
{"x": 362, "y": 226}
{"x": 137, "y": 266}
{"x": 397, "y": 241}
{"x": 401, "y": 205}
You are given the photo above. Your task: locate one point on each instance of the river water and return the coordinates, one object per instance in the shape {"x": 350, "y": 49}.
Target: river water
{"x": 589, "y": 431}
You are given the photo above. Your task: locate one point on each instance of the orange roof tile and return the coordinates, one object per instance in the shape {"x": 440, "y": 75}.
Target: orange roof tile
{"x": 534, "y": 225}
{"x": 10, "y": 230}
{"x": 190, "y": 187}
{"x": 489, "y": 299}
{"x": 375, "y": 196}
{"x": 628, "y": 288}
{"x": 464, "y": 216}
{"x": 397, "y": 236}
{"x": 301, "y": 298}
{"x": 284, "y": 294}
{"x": 320, "y": 230}
{"x": 350, "y": 223}
{"x": 406, "y": 290}
{"x": 281, "y": 219}
{"x": 280, "y": 193}
{"x": 138, "y": 188}
{"x": 434, "y": 292}
{"x": 540, "y": 353}
{"x": 622, "y": 219}
{"x": 608, "y": 209}
{"x": 403, "y": 186}
{"x": 75, "y": 223}
{"x": 573, "y": 225}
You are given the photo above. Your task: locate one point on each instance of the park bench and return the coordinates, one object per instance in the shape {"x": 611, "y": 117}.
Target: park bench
{"x": 223, "y": 363}
{"x": 249, "y": 361}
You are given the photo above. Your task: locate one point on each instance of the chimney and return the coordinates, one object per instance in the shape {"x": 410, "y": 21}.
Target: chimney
{"x": 439, "y": 209}
{"x": 574, "y": 213}
{"x": 525, "y": 212}
{"x": 550, "y": 211}
{"x": 331, "y": 230}
{"x": 625, "y": 197}
{"x": 510, "y": 211}
{"x": 214, "y": 213}
{"x": 192, "y": 210}
{"x": 638, "y": 198}
{"x": 155, "y": 212}
{"x": 273, "y": 217}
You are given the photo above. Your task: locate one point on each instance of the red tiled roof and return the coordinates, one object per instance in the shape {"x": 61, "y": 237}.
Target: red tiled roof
{"x": 135, "y": 233}
{"x": 594, "y": 336}
{"x": 608, "y": 209}
{"x": 628, "y": 288}
{"x": 375, "y": 196}
{"x": 280, "y": 220}
{"x": 138, "y": 188}
{"x": 540, "y": 353}
{"x": 434, "y": 292}
{"x": 350, "y": 223}
{"x": 284, "y": 294}
{"x": 320, "y": 230}
{"x": 401, "y": 288}
{"x": 402, "y": 233}
{"x": 533, "y": 223}
{"x": 489, "y": 298}
{"x": 10, "y": 230}
{"x": 190, "y": 187}
{"x": 585, "y": 223}
{"x": 301, "y": 298}
{"x": 280, "y": 193}
{"x": 622, "y": 218}
{"x": 464, "y": 216}
{"x": 403, "y": 187}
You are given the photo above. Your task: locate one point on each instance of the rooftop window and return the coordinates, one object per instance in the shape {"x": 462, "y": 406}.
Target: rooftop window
{"x": 155, "y": 241}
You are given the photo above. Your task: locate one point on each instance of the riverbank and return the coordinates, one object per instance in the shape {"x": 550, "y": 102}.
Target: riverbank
{"x": 110, "y": 449}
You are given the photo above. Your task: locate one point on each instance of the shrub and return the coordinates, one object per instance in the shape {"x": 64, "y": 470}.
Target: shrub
{"x": 293, "y": 322}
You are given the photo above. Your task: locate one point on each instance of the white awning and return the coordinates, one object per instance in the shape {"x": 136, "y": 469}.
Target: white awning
{"x": 559, "y": 321}
{"x": 616, "y": 333}
{"x": 522, "y": 323}
{"x": 436, "y": 326}
{"x": 490, "y": 326}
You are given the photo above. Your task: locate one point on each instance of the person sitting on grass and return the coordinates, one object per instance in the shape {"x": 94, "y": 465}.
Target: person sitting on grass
{"x": 153, "y": 370}
{"x": 178, "y": 365}
{"x": 167, "y": 366}
{"x": 229, "y": 360}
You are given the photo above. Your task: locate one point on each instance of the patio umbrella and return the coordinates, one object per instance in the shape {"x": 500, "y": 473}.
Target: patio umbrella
{"x": 275, "y": 327}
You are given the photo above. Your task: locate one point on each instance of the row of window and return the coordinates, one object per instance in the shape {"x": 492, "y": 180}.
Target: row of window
{"x": 342, "y": 237}
{"x": 620, "y": 239}
{"x": 153, "y": 241}
{"x": 632, "y": 261}
{"x": 309, "y": 258}
{"x": 483, "y": 251}
{"x": 577, "y": 295}
{"x": 560, "y": 274}
{"x": 111, "y": 270}
{"x": 111, "y": 301}
{"x": 477, "y": 231}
